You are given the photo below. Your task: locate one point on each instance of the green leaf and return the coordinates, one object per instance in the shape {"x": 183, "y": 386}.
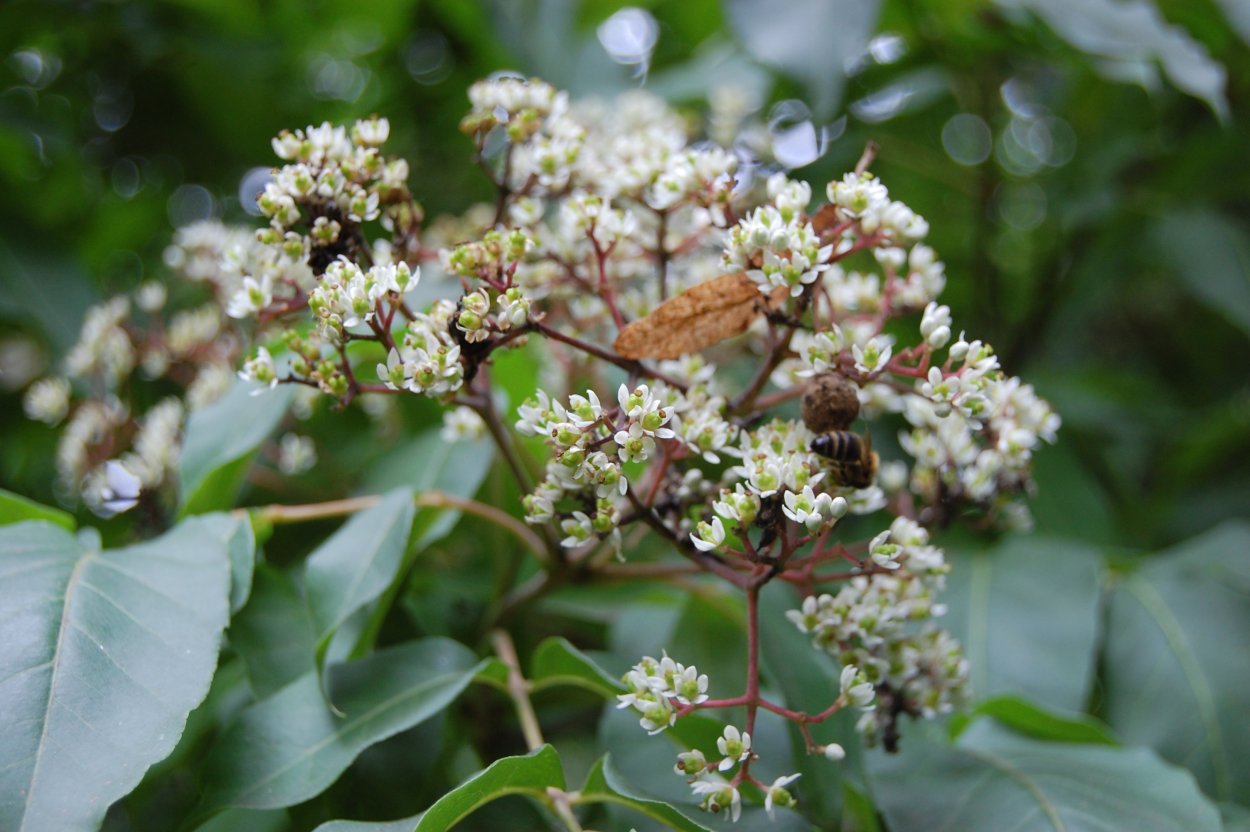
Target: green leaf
{"x": 45, "y": 288}
{"x": 247, "y": 820}
{"x": 219, "y": 442}
{"x": 431, "y": 463}
{"x": 1027, "y": 616}
{"x": 104, "y": 654}
{"x": 604, "y": 785}
{"x": 14, "y": 508}
{"x": 530, "y": 775}
{"x": 273, "y": 633}
{"x": 812, "y": 40}
{"x": 1026, "y": 718}
{"x": 357, "y": 564}
{"x": 1236, "y": 818}
{"x": 556, "y": 662}
{"x": 1130, "y": 37}
{"x": 994, "y": 779}
{"x": 494, "y": 673}
{"x": 242, "y": 548}
{"x": 290, "y": 747}
{"x": 1177, "y": 669}
{"x": 401, "y": 825}
{"x": 1211, "y": 255}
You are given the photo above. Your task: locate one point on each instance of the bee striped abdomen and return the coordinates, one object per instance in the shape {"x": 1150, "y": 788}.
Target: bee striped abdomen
{"x": 842, "y": 445}
{"x": 852, "y": 462}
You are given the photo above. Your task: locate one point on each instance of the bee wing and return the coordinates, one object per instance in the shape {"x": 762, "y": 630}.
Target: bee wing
{"x": 699, "y": 317}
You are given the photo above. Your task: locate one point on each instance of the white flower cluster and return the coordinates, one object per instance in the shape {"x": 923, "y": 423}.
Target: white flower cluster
{"x": 703, "y": 177}
{"x": 862, "y": 197}
{"x": 104, "y": 348}
{"x": 511, "y": 102}
{"x": 974, "y": 430}
{"x": 156, "y": 447}
{"x": 332, "y": 178}
{"x": 427, "y": 359}
{"x": 489, "y": 257}
{"x": 778, "y": 468}
{"x": 629, "y": 143}
{"x": 583, "y": 437}
{"x": 210, "y": 252}
{"x": 591, "y": 443}
{"x": 775, "y": 244}
{"x": 869, "y": 627}
{"x": 90, "y": 425}
{"x": 348, "y": 296}
{"x": 596, "y": 188}
{"x": 47, "y": 400}
{"x": 544, "y": 143}
{"x": 658, "y": 689}
{"x": 119, "y": 339}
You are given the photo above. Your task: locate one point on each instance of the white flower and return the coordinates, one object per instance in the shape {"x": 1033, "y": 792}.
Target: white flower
{"x": 735, "y": 745}
{"x": 691, "y": 763}
{"x": 634, "y": 445}
{"x": 151, "y": 296}
{"x": 884, "y": 553}
{"x": 111, "y": 489}
{"x": 656, "y": 715}
{"x": 261, "y": 370}
{"x": 371, "y": 132}
{"x": 577, "y": 530}
{"x": 252, "y": 297}
{"x": 778, "y": 795}
{"x": 872, "y": 357}
{"x": 856, "y": 692}
{"x": 708, "y": 536}
{"x": 296, "y": 454}
{"x": 690, "y": 686}
{"x": 462, "y": 424}
{"x": 739, "y": 505}
{"x": 47, "y": 400}
{"x": 717, "y": 794}
{"x": 811, "y": 509}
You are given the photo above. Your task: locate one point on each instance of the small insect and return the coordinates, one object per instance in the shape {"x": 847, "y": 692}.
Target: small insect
{"x": 852, "y": 461}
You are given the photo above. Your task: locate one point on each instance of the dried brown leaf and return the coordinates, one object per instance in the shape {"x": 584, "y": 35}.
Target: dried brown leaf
{"x": 694, "y": 320}
{"x": 825, "y": 220}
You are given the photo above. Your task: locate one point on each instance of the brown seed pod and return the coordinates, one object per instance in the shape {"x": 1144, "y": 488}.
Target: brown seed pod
{"x": 699, "y": 317}
{"x": 830, "y": 403}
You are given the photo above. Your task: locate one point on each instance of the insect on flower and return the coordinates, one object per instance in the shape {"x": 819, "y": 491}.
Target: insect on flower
{"x": 851, "y": 459}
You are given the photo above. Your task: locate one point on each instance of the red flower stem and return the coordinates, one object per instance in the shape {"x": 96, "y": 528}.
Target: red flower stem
{"x": 659, "y": 475}
{"x": 605, "y": 289}
{"x": 752, "y": 694}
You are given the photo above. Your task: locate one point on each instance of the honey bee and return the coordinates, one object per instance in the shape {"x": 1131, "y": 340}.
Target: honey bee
{"x": 852, "y": 461}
